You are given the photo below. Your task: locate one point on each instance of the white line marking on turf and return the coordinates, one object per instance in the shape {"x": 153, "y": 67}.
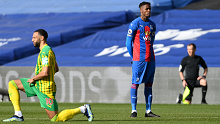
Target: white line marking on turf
{"x": 36, "y": 118}
{"x": 197, "y": 117}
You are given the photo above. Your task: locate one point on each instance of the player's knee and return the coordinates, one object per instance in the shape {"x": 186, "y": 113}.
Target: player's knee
{"x": 203, "y": 82}
{"x": 134, "y": 86}
{"x": 149, "y": 84}
{"x": 12, "y": 84}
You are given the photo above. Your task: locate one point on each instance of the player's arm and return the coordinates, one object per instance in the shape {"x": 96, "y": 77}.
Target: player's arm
{"x": 181, "y": 69}
{"x": 205, "y": 67}
{"x": 203, "y": 64}
{"x": 205, "y": 73}
{"x": 181, "y": 75}
{"x": 130, "y": 37}
{"x": 56, "y": 67}
{"x": 129, "y": 46}
{"x": 182, "y": 78}
{"x": 153, "y": 32}
{"x": 42, "y": 74}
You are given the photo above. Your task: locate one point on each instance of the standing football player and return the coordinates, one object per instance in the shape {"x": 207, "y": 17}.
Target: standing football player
{"x": 139, "y": 42}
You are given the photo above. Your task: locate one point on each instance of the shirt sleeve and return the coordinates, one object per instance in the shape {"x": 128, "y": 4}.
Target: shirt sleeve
{"x": 182, "y": 65}
{"x": 202, "y": 62}
{"x": 153, "y": 33}
{"x": 129, "y": 46}
{"x": 130, "y": 38}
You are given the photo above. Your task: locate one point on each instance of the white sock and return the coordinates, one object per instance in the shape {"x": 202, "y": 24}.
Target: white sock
{"x": 148, "y": 111}
{"x": 82, "y": 109}
{"x": 133, "y": 111}
{"x": 18, "y": 113}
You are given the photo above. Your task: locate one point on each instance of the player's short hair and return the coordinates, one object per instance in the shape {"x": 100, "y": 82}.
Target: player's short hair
{"x": 143, "y": 3}
{"x": 192, "y": 44}
{"x": 42, "y": 32}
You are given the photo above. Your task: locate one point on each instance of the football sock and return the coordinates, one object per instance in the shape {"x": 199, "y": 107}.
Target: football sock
{"x": 148, "y": 111}
{"x": 14, "y": 97}
{"x": 148, "y": 97}
{"x": 133, "y": 92}
{"x": 66, "y": 114}
{"x": 133, "y": 111}
{"x": 204, "y": 90}
{"x": 82, "y": 109}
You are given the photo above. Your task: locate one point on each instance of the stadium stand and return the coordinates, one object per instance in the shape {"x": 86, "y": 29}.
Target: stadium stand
{"x": 175, "y": 29}
{"x": 66, "y": 27}
{"x": 17, "y": 29}
{"x": 66, "y": 6}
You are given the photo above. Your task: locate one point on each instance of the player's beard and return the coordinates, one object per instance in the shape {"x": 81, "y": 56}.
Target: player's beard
{"x": 37, "y": 44}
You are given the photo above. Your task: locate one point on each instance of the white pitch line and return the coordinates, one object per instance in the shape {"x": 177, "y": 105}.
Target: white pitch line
{"x": 198, "y": 117}
{"x": 36, "y": 118}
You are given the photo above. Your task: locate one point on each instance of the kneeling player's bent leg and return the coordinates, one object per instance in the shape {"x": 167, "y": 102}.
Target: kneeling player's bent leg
{"x": 66, "y": 114}
{"x": 70, "y": 113}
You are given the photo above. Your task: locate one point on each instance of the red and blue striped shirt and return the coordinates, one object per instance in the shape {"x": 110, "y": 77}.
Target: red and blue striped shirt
{"x": 140, "y": 39}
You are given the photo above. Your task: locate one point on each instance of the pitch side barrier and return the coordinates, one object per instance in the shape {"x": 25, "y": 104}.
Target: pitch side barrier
{"x": 112, "y": 84}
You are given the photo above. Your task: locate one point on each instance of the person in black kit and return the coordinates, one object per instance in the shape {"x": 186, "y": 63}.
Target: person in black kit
{"x": 191, "y": 64}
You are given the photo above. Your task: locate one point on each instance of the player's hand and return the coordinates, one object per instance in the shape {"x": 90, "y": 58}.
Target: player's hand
{"x": 31, "y": 82}
{"x": 199, "y": 78}
{"x": 184, "y": 83}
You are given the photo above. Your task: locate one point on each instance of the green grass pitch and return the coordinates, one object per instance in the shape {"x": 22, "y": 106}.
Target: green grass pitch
{"x": 119, "y": 113}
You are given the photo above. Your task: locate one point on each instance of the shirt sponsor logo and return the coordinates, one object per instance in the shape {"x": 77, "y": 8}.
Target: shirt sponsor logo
{"x": 148, "y": 38}
{"x": 44, "y": 61}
